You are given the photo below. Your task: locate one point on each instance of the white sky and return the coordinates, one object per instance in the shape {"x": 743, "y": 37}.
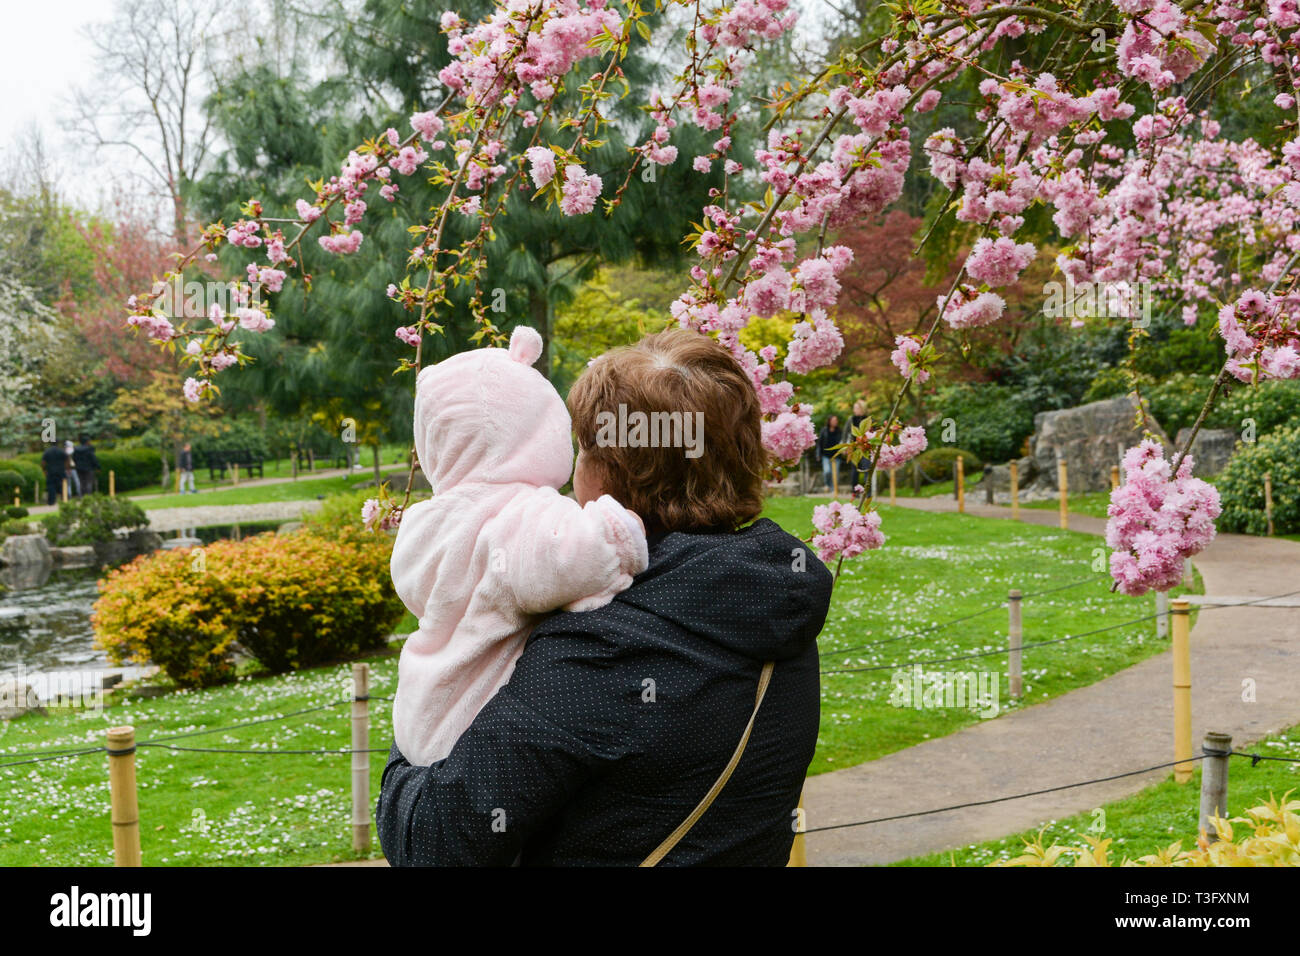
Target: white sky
{"x": 46, "y": 57}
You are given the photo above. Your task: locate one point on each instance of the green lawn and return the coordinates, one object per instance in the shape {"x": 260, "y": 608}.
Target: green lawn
{"x": 938, "y": 567}
{"x": 1152, "y": 819}
{"x": 1093, "y": 503}
{"x": 197, "y": 808}
{"x": 209, "y": 809}
{"x": 303, "y": 488}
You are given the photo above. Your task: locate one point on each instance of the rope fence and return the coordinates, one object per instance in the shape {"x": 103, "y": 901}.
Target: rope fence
{"x": 1216, "y": 751}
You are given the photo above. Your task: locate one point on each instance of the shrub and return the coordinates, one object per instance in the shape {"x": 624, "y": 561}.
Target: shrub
{"x": 338, "y": 514}
{"x": 1176, "y": 401}
{"x": 1271, "y": 405}
{"x": 290, "y": 601}
{"x": 9, "y": 480}
{"x": 132, "y": 467}
{"x": 937, "y": 464}
{"x": 15, "y": 526}
{"x": 92, "y": 520}
{"x": 16, "y": 511}
{"x": 992, "y": 420}
{"x": 1241, "y": 484}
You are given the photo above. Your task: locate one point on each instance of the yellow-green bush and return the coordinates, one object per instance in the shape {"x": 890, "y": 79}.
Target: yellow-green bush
{"x": 290, "y": 601}
{"x": 1270, "y": 837}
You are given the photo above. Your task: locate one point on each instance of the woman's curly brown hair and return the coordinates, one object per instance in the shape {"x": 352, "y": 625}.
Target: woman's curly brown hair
{"x": 684, "y": 372}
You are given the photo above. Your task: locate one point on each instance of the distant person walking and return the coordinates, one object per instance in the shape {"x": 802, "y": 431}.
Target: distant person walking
{"x": 87, "y": 463}
{"x": 55, "y": 462}
{"x": 70, "y": 469}
{"x": 827, "y": 438}
{"x": 185, "y": 462}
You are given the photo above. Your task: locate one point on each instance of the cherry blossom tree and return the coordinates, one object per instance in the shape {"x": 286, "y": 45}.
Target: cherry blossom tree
{"x": 1086, "y": 114}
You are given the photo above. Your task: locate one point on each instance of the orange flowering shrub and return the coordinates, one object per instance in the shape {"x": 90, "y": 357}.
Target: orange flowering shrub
{"x": 290, "y": 601}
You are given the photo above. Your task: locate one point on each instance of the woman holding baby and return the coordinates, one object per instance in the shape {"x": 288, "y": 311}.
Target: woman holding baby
{"x": 624, "y": 679}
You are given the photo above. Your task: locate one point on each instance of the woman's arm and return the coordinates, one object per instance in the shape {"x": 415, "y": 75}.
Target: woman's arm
{"x": 553, "y": 727}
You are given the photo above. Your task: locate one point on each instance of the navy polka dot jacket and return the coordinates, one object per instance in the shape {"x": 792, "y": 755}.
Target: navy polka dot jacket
{"x": 617, "y": 721}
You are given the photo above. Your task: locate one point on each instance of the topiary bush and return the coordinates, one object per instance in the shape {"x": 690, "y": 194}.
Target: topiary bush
{"x": 93, "y": 519}
{"x": 132, "y": 467}
{"x": 1241, "y": 484}
{"x": 937, "y": 464}
{"x": 16, "y": 511}
{"x": 9, "y": 480}
{"x": 290, "y": 601}
{"x": 993, "y": 421}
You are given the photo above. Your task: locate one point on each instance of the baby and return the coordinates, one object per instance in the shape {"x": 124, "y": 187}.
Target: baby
{"x": 497, "y": 544}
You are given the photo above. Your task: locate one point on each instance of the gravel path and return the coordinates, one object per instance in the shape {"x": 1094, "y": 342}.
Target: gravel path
{"x": 1121, "y": 723}
{"x": 177, "y": 519}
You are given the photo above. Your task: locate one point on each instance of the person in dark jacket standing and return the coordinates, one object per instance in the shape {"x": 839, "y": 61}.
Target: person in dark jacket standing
{"x": 185, "y": 465}
{"x": 87, "y": 463}
{"x": 55, "y": 462}
{"x": 827, "y": 438}
{"x": 616, "y": 722}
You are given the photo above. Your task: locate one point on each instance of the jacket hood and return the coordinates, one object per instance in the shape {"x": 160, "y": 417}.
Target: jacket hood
{"x": 487, "y": 415}
{"x": 759, "y": 591}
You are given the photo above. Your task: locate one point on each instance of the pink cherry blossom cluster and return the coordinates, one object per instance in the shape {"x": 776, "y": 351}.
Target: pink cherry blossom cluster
{"x": 906, "y": 352}
{"x": 1157, "y": 520}
{"x": 1159, "y": 47}
{"x": 1262, "y": 335}
{"x": 844, "y": 531}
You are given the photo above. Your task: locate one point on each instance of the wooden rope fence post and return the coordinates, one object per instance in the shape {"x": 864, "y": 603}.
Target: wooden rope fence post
{"x": 65, "y": 489}
{"x": 799, "y": 849}
{"x": 18, "y": 497}
{"x": 893, "y": 486}
{"x": 835, "y": 477}
{"x": 1214, "y": 781}
{"x": 1114, "y": 477}
{"x": 125, "y": 807}
{"x": 1014, "y": 468}
{"x": 112, "y": 483}
{"x": 1268, "y": 500}
{"x": 961, "y": 486}
{"x": 1162, "y": 615}
{"x": 360, "y": 757}
{"x": 1181, "y": 626}
{"x": 234, "y": 472}
{"x": 1062, "y": 479}
{"x": 1015, "y": 635}
{"x": 178, "y": 481}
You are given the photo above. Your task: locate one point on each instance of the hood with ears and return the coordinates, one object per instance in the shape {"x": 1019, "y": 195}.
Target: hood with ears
{"x": 487, "y": 415}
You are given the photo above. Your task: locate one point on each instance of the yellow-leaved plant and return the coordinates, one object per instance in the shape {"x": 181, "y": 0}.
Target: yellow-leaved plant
{"x": 1270, "y": 836}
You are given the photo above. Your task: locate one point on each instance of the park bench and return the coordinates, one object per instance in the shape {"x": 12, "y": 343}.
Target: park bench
{"x": 250, "y": 465}
{"x": 337, "y": 454}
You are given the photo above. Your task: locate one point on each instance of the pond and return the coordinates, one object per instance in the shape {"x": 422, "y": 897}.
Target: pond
{"x": 45, "y": 633}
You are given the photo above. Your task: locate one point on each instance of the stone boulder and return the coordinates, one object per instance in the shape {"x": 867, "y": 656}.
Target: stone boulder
{"x": 1211, "y": 450}
{"x": 140, "y": 541}
{"x": 24, "y": 549}
{"x": 1091, "y": 438}
{"x": 73, "y": 555}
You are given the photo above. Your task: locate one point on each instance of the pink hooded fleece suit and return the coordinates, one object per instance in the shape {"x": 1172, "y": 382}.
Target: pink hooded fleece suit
{"x": 497, "y": 544}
